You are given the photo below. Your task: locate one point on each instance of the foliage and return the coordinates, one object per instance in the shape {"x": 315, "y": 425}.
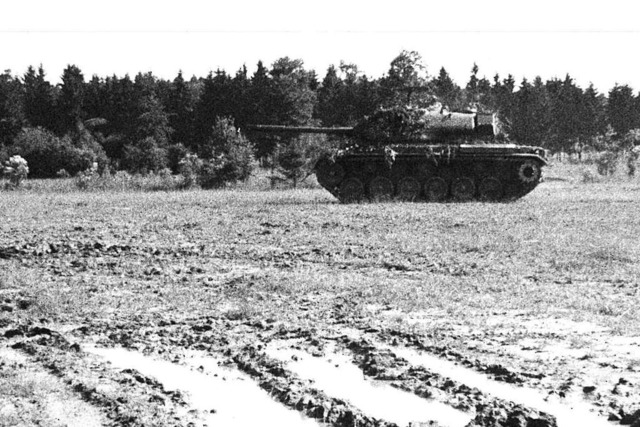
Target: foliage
{"x": 11, "y": 107}
{"x": 406, "y": 82}
{"x": 229, "y": 156}
{"x": 296, "y": 159}
{"x": 16, "y": 169}
{"x": 189, "y": 169}
{"x": 147, "y": 123}
{"x": 145, "y": 156}
{"x": 47, "y": 154}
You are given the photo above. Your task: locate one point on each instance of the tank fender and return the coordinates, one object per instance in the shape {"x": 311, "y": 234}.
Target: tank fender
{"x": 527, "y": 156}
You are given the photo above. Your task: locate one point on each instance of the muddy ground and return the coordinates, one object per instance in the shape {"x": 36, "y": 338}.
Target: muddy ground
{"x": 520, "y": 314}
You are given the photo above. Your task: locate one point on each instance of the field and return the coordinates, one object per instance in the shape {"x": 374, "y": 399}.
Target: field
{"x": 516, "y": 314}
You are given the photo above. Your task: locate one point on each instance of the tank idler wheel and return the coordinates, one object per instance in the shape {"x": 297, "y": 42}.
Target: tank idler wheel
{"x": 408, "y": 189}
{"x": 329, "y": 172}
{"x": 529, "y": 172}
{"x": 463, "y": 189}
{"x": 436, "y": 189}
{"x": 351, "y": 190}
{"x": 380, "y": 189}
{"x": 490, "y": 189}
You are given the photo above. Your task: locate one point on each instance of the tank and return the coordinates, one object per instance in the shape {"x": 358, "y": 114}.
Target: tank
{"x": 419, "y": 155}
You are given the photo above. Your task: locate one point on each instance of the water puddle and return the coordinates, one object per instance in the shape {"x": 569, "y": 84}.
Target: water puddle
{"x": 568, "y": 412}
{"x": 233, "y": 396}
{"x": 338, "y": 377}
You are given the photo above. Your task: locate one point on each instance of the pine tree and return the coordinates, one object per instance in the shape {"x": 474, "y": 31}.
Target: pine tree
{"x": 71, "y": 99}
{"x": 621, "y": 110}
{"x": 11, "y": 108}
{"x": 181, "y": 108}
{"x": 446, "y": 90}
{"x": 39, "y": 103}
{"x": 329, "y": 99}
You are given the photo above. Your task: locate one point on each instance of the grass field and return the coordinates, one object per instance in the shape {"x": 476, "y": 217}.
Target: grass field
{"x": 548, "y": 284}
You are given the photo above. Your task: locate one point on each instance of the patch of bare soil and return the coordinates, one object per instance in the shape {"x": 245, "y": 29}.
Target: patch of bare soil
{"x": 257, "y": 301}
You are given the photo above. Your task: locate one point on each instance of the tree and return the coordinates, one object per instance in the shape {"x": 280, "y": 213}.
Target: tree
{"x": 329, "y": 99}
{"x": 11, "y": 108}
{"x": 39, "y": 103}
{"x": 260, "y": 95}
{"x": 595, "y": 116}
{"x": 229, "y": 158}
{"x": 71, "y": 100}
{"x": 216, "y": 101}
{"x": 180, "y": 110}
{"x": 406, "y": 81}
{"x": 293, "y": 101}
{"x": 621, "y": 110}
{"x": 529, "y": 121}
{"x": 445, "y": 89}
{"x": 345, "y": 96}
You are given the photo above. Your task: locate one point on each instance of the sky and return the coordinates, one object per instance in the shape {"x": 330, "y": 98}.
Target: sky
{"x": 594, "y": 41}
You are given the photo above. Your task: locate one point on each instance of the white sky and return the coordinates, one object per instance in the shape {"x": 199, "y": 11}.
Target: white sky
{"x": 594, "y": 41}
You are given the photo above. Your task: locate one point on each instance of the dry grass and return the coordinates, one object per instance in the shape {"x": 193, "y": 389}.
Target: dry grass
{"x": 568, "y": 248}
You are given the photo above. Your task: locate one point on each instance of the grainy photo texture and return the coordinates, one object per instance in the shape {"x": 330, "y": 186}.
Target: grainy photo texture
{"x": 337, "y": 214}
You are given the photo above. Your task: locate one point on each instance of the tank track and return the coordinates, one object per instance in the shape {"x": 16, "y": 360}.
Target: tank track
{"x": 454, "y": 174}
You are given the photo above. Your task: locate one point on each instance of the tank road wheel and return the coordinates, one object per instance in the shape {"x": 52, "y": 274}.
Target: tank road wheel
{"x": 380, "y": 189}
{"x": 529, "y": 172}
{"x": 463, "y": 189}
{"x": 490, "y": 189}
{"x": 329, "y": 173}
{"x": 436, "y": 189}
{"x": 425, "y": 170}
{"x": 408, "y": 189}
{"x": 351, "y": 190}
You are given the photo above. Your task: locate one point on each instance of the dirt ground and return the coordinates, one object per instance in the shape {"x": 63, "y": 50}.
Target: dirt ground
{"x": 519, "y": 314}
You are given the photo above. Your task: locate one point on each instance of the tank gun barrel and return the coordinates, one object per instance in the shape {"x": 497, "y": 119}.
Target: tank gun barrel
{"x": 301, "y": 129}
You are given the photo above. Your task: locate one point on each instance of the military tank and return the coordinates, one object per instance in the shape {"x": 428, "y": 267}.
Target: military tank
{"x": 419, "y": 155}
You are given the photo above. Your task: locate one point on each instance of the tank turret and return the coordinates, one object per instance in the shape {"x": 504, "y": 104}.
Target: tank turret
{"x": 415, "y": 154}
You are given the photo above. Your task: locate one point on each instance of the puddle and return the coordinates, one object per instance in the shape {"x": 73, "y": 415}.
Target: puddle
{"x": 236, "y": 399}
{"x": 568, "y": 412}
{"x": 338, "y": 377}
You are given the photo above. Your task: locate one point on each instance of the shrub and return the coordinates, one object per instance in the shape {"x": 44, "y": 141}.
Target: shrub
{"x": 175, "y": 154}
{"x": 230, "y": 157}
{"x": 297, "y": 159}
{"x": 607, "y": 163}
{"x": 86, "y": 178}
{"x": 16, "y": 170}
{"x": 145, "y": 156}
{"x": 62, "y": 173}
{"x": 46, "y": 154}
{"x": 189, "y": 169}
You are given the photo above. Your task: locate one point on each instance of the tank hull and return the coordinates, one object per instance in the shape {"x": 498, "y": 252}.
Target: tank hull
{"x": 432, "y": 173}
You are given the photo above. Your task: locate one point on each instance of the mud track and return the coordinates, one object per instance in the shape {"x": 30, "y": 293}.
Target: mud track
{"x": 262, "y": 302}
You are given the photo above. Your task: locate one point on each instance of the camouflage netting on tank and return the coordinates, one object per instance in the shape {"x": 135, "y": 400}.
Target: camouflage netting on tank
{"x": 403, "y": 123}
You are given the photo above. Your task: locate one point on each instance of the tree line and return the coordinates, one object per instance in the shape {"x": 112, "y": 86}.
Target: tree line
{"x": 146, "y": 123}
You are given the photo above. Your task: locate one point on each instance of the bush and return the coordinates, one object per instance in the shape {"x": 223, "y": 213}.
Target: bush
{"x": 145, "y": 156}
{"x": 296, "y": 160}
{"x": 91, "y": 180}
{"x": 607, "y": 163}
{"x": 86, "y": 178}
{"x": 16, "y": 170}
{"x": 175, "y": 154}
{"x": 189, "y": 169}
{"x": 231, "y": 157}
{"x": 46, "y": 154}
